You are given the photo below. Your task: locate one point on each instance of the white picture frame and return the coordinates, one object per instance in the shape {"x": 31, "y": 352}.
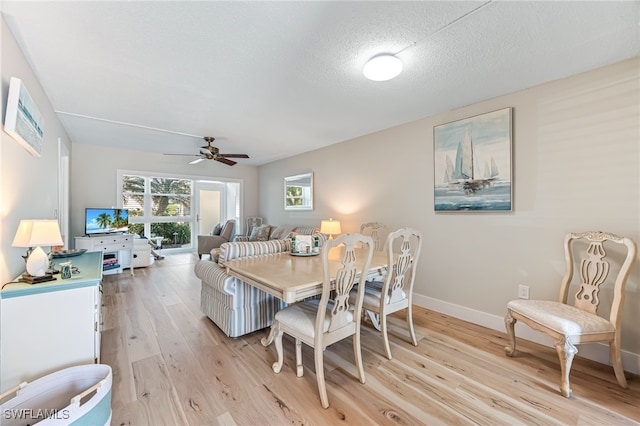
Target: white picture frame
{"x": 298, "y": 192}
{"x": 23, "y": 120}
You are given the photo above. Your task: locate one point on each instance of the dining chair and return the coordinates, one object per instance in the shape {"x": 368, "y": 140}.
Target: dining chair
{"x": 395, "y": 292}
{"x": 321, "y": 322}
{"x": 378, "y": 232}
{"x": 581, "y": 322}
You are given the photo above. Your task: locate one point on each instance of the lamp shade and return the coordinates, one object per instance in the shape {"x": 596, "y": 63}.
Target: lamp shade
{"x": 330, "y": 227}
{"x": 37, "y": 232}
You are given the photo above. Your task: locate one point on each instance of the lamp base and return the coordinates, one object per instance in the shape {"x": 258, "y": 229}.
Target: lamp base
{"x": 30, "y": 279}
{"x": 38, "y": 262}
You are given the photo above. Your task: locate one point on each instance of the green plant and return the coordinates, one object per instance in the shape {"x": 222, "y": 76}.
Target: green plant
{"x": 172, "y": 232}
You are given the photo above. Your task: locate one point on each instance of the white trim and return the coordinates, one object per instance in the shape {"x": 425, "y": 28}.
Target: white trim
{"x": 596, "y": 351}
{"x": 62, "y": 213}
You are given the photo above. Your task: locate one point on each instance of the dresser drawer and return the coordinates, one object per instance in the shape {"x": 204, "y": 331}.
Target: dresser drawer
{"x": 116, "y": 239}
{"x": 110, "y": 247}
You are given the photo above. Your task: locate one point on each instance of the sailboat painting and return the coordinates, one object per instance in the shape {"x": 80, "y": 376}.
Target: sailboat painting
{"x": 472, "y": 163}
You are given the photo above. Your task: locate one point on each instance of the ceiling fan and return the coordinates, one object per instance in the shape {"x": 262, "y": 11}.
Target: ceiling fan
{"x": 209, "y": 152}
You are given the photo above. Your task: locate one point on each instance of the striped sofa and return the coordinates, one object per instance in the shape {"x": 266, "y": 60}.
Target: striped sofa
{"x": 233, "y": 305}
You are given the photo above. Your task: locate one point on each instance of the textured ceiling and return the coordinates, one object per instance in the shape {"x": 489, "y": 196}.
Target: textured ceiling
{"x": 274, "y": 79}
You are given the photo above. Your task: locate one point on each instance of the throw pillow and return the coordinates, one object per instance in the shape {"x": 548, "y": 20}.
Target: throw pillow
{"x": 260, "y": 233}
{"x": 281, "y": 232}
{"x": 217, "y": 229}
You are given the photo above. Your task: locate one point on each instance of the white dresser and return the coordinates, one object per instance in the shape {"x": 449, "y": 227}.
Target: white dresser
{"x": 52, "y": 325}
{"x": 117, "y": 251}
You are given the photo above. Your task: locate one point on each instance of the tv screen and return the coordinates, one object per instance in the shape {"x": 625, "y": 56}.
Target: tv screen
{"x": 106, "y": 221}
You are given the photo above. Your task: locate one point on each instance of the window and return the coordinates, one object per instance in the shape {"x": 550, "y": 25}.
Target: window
{"x": 163, "y": 206}
{"x": 163, "y": 203}
{"x": 298, "y": 192}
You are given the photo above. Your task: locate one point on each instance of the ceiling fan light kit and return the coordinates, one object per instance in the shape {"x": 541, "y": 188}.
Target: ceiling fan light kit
{"x": 209, "y": 152}
{"x": 382, "y": 68}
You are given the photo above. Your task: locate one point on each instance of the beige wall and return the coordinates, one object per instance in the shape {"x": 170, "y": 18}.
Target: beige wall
{"x": 29, "y": 185}
{"x": 94, "y": 177}
{"x": 576, "y": 167}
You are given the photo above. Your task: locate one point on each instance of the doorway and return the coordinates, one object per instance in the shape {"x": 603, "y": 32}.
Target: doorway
{"x": 210, "y": 206}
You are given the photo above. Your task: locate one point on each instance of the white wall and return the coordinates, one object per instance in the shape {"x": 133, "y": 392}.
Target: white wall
{"x": 94, "y": 177}
{"x": 576, "y": 168}
{"x": 29, "y": 185}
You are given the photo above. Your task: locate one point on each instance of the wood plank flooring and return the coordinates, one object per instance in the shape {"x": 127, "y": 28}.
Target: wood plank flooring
{"x": 173, "y": 366}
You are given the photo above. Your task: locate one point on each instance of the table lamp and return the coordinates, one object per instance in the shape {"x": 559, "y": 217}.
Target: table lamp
{"x": 331, "y": 227}
{"x": 35, "y": 233}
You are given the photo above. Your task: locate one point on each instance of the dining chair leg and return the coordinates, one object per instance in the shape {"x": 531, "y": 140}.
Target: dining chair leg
{"x": 566, "y": 351}
{"x": 322, "y": 388}
{"x": 385, "y": 335}
{"x": 299, "y": 369}
{"x": 410, "y": 324}
{"x": 357, "y": 354}
{"x": 616, "y": 360}
{"x": 509, "y": 325}
{"x": 277, "y": 366}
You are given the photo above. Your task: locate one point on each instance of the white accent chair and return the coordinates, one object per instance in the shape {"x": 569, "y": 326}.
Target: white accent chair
{"x": 395, "y": 292}
{"x": 571, "y": 325}
{"x": 321, "y": 322}
{"x": 250, "y": 223}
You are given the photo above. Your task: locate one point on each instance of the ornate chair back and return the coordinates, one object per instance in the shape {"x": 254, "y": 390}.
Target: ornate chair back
{"x": 252, "y": 222}
{"x": 378, "y": 232}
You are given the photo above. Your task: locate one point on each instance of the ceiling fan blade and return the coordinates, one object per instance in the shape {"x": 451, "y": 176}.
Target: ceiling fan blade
{"x": 196, "y": 161}
{"x": 225, "y": 161}
{"x": 234, "y": 155}
{"x": 186, "y": 155}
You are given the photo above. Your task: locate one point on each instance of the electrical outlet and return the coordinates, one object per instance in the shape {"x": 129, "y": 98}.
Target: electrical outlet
{"x": 523, "y": 291}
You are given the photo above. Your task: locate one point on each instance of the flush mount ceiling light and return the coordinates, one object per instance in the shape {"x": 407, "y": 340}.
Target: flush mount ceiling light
{"x": 382, "y": 68}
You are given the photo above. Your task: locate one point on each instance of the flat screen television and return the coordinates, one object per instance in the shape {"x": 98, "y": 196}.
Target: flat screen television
{"x": 106, "y": 221}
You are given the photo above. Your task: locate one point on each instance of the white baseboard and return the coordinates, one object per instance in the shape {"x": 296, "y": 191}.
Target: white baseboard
{"x": 595, "y": 351}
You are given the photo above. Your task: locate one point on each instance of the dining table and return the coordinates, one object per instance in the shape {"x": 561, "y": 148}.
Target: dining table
{"x": 297, "y": 276}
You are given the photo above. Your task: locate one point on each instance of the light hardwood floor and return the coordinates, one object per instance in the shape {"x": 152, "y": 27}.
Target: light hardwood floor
{"x": 173, "y": 366}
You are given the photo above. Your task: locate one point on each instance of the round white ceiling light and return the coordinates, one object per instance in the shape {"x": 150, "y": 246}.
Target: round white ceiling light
{"x": 382, "y": 68}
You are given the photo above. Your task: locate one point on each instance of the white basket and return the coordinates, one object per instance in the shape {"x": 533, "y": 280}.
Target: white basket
{"x": 77, "y": 395}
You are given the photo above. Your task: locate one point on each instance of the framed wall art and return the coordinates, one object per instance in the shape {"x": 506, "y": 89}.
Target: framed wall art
{"x": 298, "y": 192}
{"x": 472, "y": 163}
{"x": 23, "y": 120}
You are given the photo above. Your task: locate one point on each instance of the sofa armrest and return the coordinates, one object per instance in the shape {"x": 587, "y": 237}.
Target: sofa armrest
{"x": 215, "y": 277}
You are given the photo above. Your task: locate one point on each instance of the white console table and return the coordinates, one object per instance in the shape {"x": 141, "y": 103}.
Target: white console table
{"x": 49, "y": 326}
{"x": 115, "y": 246}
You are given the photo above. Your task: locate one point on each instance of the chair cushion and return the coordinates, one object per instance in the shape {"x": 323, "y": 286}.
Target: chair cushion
{"x": 372, "y": 294}
{"x": 561, "y": 317}
{"x": 260, "y": 233}
{"x": 302, "y": 317}
{"x": 217, "y": 229}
